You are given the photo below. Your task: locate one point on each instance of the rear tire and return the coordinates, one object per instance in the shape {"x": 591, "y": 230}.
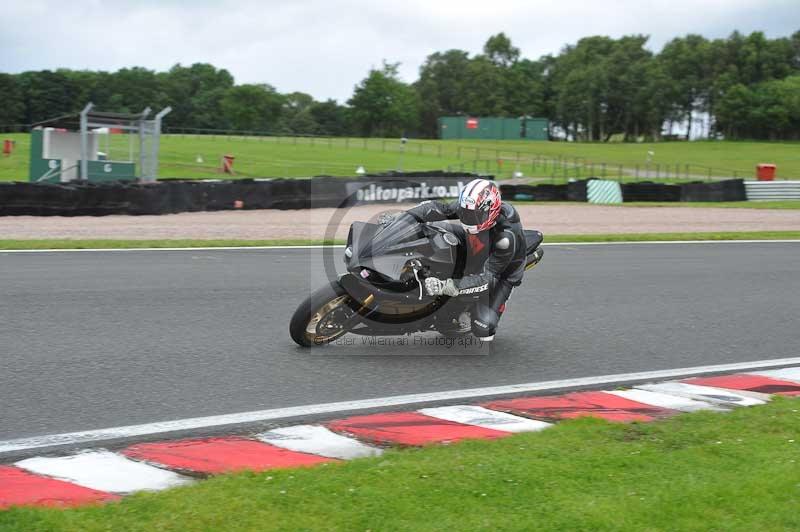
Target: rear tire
{"x": 322, "y": 304}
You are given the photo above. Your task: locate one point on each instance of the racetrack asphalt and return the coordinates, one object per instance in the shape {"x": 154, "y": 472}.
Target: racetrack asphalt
{"x": 101, "y": 339}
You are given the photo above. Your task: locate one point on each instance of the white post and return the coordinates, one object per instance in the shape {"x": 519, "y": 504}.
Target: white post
{"x": 157, "y": 139}
{"x": 142, "y": 117}
{"x": 85, "y": 141}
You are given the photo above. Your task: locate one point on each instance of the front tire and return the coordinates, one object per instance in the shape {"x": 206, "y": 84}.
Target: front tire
{"x": 318, "y": 319}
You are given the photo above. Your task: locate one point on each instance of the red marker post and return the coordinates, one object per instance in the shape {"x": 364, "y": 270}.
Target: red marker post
{"x": 227, "y": 164}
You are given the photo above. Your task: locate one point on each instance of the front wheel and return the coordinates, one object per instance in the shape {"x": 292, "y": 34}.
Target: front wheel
{"x": 320, "y": 319}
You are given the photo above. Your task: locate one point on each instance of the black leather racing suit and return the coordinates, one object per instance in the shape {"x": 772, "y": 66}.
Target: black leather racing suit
{"x": 495, "y": 265}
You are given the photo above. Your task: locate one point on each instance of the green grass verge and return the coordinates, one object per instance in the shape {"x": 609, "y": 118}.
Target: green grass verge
{"x": 781, "y": 205}
{"x": 138, "y": 244}
{"x": 556, "y": 161}
{"x": 778, "y": 205}
{"x": 661, "y": 237}
{"x": 702, "y": 471}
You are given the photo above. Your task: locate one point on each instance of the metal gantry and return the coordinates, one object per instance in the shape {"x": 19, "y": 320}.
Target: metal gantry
{"x": 134, "y": 124}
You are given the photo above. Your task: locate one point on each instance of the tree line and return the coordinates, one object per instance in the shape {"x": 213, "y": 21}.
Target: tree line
{"x": 594, "y": 90}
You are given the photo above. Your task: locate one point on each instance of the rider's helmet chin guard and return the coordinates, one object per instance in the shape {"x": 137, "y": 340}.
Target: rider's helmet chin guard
{"x": 479, "y": 205}
{"x": 471, "y": 229}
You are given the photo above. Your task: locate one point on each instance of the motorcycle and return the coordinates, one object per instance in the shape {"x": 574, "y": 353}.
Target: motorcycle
{"x": 382, "y": 292}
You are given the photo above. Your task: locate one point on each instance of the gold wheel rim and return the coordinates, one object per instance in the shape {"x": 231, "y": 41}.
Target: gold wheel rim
{"x": 319, "y": 315}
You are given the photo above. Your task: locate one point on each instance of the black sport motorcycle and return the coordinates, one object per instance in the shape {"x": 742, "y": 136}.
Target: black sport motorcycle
{"x": 382, "y": 294}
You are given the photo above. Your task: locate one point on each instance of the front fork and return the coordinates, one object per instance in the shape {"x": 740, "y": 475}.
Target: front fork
{"x": 416, "y": 265}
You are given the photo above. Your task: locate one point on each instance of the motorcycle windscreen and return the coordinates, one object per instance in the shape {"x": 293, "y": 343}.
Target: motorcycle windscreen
{"x": 403, "y": 229}
{"x": 387, "y": 249}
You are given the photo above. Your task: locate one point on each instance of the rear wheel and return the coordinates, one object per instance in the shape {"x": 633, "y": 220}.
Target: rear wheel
{"x": 320, "y": 319}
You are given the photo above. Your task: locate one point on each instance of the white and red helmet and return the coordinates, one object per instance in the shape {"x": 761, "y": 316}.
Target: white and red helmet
{"x": 479, "y": 205}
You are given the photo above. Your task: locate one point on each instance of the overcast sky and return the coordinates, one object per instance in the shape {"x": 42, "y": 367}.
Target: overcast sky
{"x": 326, "y": 47}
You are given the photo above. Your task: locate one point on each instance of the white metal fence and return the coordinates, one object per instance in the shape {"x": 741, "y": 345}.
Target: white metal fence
{"x": 772, "y": 190}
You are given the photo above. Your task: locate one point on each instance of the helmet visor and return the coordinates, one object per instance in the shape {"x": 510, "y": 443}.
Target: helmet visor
{"x": 472, "y": 217}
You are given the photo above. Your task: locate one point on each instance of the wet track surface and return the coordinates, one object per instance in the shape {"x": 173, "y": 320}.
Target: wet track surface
{"x": 101, "y": 339}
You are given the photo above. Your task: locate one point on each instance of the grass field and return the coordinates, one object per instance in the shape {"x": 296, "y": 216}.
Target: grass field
{"x": 736, "y": 471}
{"x": 139, "y": 244}
{"x": 723, "y": 159}
{"x": 547, "y": 161}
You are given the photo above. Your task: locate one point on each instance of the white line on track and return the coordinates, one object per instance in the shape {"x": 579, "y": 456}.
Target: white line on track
{"x": 283, "y": 248}
{"x": 93, "y": 436}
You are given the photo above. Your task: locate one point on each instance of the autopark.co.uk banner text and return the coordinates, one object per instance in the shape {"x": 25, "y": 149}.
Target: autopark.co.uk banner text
{"x": 404, "y": 191}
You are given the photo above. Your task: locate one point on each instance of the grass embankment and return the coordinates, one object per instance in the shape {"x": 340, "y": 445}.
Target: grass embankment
{"x": 551, "y": 239}
{"x": 703, "y": 471}
{"x": 557, "y": 161}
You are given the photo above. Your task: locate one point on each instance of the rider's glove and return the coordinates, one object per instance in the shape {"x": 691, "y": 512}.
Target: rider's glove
{"x": 438, "y": 287}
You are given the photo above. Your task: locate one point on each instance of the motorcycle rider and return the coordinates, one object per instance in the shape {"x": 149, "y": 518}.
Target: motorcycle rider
{"x": 496, "y": 246}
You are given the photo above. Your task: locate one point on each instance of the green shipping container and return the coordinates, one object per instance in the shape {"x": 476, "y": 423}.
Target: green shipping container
{"x": 536, "y": 129}
{"x": 492, "y": 128}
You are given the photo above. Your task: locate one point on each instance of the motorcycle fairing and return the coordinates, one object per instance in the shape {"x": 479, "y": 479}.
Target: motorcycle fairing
{"x": 388, "y": 249}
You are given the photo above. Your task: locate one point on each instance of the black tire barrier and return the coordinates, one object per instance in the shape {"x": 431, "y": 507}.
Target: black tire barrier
{"x": 220, "y": 196}
{"x": 254, "y": 194}
{"x": 534, "y": 192}
{"x": 185, "y": 198}
{"x": 17, "y": 199}
{"x": 101, "y": 199}
{"x": 148, "y": 199}
{"x": 55, "y": 200}
{"x": 509, "y": 192}
{"x": 649, "y": 191}
{"x": 290, "y": 194}
{"x": 551, "y": 192}
{"x": 34, "y": 199}
{"x": 327, "y": 192}
{"x": 645, "y": 191}
{"x": 174, "y": 196}
{"x": 576, "y": 190}
{"x": 729, "y": 190}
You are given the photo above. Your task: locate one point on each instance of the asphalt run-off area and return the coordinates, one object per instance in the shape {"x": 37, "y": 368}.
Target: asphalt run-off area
{"x": 106, "y": 339}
